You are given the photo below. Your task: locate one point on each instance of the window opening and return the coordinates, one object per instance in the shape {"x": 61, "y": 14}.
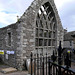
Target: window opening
{"x": 9, "y": 38}
{"x": 45, "y": 28}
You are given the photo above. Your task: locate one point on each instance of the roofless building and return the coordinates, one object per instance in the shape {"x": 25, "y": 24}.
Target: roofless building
{"x": 38, "y": 30}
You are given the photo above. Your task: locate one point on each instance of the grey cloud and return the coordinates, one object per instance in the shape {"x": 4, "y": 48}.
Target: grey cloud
{"x": 67, "y": 15}
{"x": 17, "y": 6}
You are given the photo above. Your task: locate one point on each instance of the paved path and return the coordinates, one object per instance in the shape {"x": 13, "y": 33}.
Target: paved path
{"x": 22, "y": 72}
{"x": 13, "y": 73}
{"x": 16, "y": 73}
{"x": 73, "y": 65}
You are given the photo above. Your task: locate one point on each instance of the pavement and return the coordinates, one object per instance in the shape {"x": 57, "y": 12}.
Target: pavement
{"x": 12, "y": 73}
{"x": 22, "y": 72}
{"x": 16, "y": 73}
{"x": 73, "y": 65}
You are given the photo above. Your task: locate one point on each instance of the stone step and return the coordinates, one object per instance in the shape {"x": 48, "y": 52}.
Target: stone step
{"x": 8, "y": 70}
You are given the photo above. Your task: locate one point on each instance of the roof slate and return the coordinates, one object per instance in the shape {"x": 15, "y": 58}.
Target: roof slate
{"x": 68, "y": 36}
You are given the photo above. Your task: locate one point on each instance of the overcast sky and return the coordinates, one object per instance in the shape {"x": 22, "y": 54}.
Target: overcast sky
{"x": 9, "y": 9}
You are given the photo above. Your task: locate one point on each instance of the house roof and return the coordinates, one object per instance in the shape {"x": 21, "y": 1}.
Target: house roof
{"x": 69, "y": 36}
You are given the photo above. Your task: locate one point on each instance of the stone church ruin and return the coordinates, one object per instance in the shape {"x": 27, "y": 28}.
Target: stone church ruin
{"x": 39, "y": 30}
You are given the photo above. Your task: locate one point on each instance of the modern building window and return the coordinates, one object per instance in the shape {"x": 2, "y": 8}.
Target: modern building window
{"x": 70, "y": 43}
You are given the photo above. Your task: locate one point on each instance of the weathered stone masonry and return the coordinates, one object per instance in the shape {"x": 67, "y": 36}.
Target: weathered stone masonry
{"x": 23, "y": 33}
{"x": 4, "y": 42}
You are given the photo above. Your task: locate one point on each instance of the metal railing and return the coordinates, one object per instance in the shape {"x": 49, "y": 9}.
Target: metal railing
{"x": 51, "y": 65}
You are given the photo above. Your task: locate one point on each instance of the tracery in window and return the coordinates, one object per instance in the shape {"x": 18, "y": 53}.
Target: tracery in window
{"x": 45, "y": 27}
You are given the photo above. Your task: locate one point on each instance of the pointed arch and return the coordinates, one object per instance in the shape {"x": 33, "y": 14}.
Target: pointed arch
{"x": 45, "y": 28}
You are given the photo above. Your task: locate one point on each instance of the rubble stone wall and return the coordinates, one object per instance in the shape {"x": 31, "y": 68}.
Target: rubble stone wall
{"x": 23, "y": 34}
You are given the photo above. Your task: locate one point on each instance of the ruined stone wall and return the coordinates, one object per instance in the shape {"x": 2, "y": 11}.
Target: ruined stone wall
{"x": 27, "y": 29}
{"x": 60, "y": 30}
{"x": 23, "y": 34}
{"x": 8, "y": 58}
{"x": 27, "y": 40}
{"x": 29, "y": 23}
